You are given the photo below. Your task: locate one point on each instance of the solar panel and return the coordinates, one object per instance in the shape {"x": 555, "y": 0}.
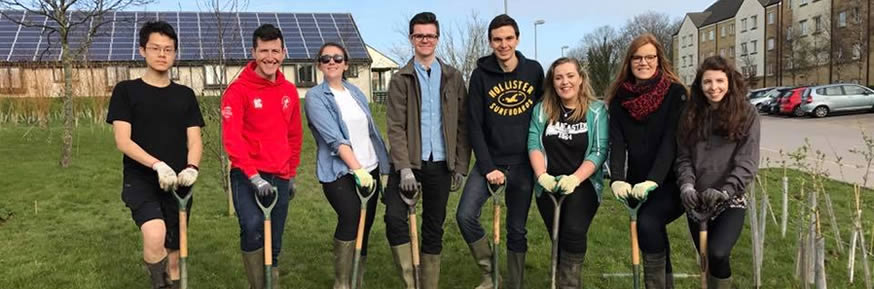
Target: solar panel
{"x": 203, "y": 36}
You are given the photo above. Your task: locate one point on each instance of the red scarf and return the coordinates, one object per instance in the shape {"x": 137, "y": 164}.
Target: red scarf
{"x": 643, "y": 99}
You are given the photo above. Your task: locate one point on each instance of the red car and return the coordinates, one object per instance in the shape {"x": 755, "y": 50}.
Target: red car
{"x": 790, "y": 102}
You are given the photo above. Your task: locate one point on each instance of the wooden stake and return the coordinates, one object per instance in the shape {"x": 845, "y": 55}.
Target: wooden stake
{"x": 833, "y": 221}
{"x": 785, "y": 216}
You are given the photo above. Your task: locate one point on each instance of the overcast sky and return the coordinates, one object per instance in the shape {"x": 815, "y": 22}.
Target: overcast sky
{"x": 566, "y": 21}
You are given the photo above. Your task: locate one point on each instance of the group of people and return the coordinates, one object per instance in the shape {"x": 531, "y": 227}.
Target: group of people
{"x": 673, "y": 150}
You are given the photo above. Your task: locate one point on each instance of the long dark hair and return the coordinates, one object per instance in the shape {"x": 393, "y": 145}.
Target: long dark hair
{"x": 730, "y": 116}
{"x": 624, "y": 74}
{"x": 552, "y": 102}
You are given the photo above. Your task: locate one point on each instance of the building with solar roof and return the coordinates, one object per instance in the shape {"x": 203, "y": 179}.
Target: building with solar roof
{"x": 213, "y": 48}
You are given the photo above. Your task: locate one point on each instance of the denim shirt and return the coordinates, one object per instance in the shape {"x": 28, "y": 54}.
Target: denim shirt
{"x": 431, "y": 117}
{"x": 329, "y": 131}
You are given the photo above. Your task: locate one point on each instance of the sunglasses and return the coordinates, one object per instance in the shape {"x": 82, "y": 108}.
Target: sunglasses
{"x": 338, "y": 58}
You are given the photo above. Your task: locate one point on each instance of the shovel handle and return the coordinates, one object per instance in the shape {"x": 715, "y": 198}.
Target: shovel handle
{"x": 635, "y": 251}
{"x": 268, "y": 244}
{"x": 496, "y": 228}
{"x": 183, "y": 234}
{"x": 414, "y": 238}
{"x": 359, "y": 236}
{"x": 702, "y": 244}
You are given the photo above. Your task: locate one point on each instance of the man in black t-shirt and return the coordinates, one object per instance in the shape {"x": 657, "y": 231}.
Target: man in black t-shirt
{"x": 157, "y": 124}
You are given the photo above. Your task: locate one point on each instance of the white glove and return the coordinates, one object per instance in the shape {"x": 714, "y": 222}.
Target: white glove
{"x": 166, "y": 176}
{"x": 187, "y": 177}
{"x": 620, "y": 189}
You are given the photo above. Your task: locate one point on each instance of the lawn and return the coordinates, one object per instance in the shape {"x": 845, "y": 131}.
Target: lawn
{"x": 67, "y": 228}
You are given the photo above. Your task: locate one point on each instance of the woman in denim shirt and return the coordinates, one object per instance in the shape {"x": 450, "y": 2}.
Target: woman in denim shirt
{"x": 350, "y": 153}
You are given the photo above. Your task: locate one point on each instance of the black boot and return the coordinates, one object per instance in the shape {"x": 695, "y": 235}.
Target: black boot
{"x": 654, "y": 270}
{"x": 570, "y": 266}
{"x": 158, "y": 274}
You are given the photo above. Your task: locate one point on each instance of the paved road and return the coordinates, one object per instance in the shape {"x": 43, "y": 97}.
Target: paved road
{"x": 833, "y": 135}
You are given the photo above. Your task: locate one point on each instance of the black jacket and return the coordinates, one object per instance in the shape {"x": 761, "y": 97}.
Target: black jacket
{"x": 499, "y": 109}
{"x": 650, "y": 144}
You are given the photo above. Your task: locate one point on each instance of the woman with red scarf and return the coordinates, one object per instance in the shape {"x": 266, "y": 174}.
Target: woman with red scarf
{"x": 645, "y": 103}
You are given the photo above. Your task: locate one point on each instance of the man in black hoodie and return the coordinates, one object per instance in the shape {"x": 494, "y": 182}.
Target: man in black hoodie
{"x": 502, "y": 92}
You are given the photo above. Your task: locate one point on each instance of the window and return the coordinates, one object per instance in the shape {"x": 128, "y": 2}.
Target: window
{"x": 710, "y": 35}
{"x": 743, "y": 49}
{"x": 754, "y": 70}
{"x": 754, "y": 43}
{"x": 772, "y": 17}
{"x": 213, "y": 75}
{"x": 857, "y": 51}
{"x": 771, "y": 43}
{"x": 743, "y": 25}
{"x": 753, "y": 22}
{"x": 802, "y": 27}
{"x": 116, "y": 74}
{"x": 306, "y": 75}
{"x": 352, "y": 71}
{"x": 731, "y": 29}
{"x": 684, "y": 62}
{"x": 11, "y": 80}
{"x": 831, "y": 90}
{"x": 722, "y": 52}
{"x": 842, "y": 19}
{"x": 788, "y": 33}
{"x": 857, "y": 17}
{"x": 770, "y": 69}
{"x": 703, "y": 36}
{"x": 818, "y": 24}
{"x": 802, "y": 3}
{"x": 722, "y": 32}
{"x": 731, "y": 51}
{"x": 709, "y": 54}
{"x": 854, "y": 90}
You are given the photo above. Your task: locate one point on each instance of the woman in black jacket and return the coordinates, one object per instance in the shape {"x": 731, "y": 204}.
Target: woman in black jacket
{"x": 645, "y": 103}
{"x": 717, "y": 157}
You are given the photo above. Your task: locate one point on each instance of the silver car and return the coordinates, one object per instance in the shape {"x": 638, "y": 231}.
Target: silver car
{"x": 761, "y": 98}
{"x": 825, "y": 99}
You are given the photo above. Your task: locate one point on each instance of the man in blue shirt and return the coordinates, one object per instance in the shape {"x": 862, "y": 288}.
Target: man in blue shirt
{"x": 428, "y": 139}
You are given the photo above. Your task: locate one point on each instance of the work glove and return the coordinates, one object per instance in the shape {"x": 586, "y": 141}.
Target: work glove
{"x": 642, "y": 189}
{"x": 457, "y": 180}
{"x": 408, "y": 180}
{"x": 712, "y": 197}
{"x": 166, "y": 176}
{"x": 262, "y": 187}
{"x": 689, "y": 197}
{"x": 620, "y": 189}
{"x": 363, "y": 178}
{"x": 187, "y": 177}
{"x": 567, "y": 184}
{"x": 547, "y": 181}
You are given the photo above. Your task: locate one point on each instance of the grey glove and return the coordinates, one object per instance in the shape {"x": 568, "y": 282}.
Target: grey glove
{"x": 408, "y": 180}
{"x": 457, "y": 180}
{"x": 689, "y": 197}
{"x": 712, "y": 197}
{"x": 262, "y": 187}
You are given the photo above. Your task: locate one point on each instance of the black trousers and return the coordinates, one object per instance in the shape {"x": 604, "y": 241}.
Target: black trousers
{"x": 344, "y": 199}
{"x": 577, "y": 212}
{"x": 662, "y": 207}
{"x": 722, "y": 234}
{"x": 436, "y": 180}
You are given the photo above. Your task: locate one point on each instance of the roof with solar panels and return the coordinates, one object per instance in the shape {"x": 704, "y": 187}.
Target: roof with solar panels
{"x": 199, "y": 33}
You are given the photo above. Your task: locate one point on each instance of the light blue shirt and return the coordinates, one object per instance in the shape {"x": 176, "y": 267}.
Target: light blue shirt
{"x": 431, "y": 116}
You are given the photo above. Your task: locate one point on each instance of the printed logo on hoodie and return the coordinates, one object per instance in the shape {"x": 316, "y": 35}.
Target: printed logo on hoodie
{"x": 511, "y": 97}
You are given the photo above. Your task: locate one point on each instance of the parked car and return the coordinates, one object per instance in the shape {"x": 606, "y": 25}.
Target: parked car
{"x": 790, "y": 102}
{"x": 824, "y": 99}
{"x": 763, "y": 97}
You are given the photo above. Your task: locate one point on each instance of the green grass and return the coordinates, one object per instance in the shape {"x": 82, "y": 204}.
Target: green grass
{"x": 67, "y": 228}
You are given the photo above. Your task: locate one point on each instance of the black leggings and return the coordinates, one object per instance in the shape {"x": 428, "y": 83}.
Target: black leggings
{"x": 722, "y": 234}
{"x": 577, "y": 212}
{"x": 344, "y": 199}
{"x": 662, "y": 207}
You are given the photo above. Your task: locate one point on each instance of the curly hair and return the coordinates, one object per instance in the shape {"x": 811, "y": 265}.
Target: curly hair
{"x": 728, "y": 119}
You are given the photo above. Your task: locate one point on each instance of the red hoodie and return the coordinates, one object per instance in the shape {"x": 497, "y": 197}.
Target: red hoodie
{"x": 261, "y": 126}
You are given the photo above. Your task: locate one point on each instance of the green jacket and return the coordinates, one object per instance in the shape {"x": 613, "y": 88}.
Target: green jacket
{"x": 596, "y": 152}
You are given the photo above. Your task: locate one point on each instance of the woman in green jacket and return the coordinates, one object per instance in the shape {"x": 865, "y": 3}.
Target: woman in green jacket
{"x": 567, "y": 145}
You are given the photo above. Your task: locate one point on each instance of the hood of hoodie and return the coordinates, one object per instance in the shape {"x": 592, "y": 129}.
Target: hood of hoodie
{"x": 251, "y": 80}
{"x": 490, "y": 64}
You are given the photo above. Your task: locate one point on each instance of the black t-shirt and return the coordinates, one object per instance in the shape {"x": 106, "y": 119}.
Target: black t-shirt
{"x": 564, "y": 143}
{"x": 159, "y": 118}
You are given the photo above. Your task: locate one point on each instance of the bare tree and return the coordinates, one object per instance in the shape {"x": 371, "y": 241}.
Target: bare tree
{"x": 658, "y": 23}
{"x": 849, "y": 39}
{"x": 796, "y": 54}
{"x": 821, "y": 46}
{"x": 601, "y": 50}
{"x": 463, "y": 44}
{"x": 66, "y": 18}
{"x": 401, "y": 49}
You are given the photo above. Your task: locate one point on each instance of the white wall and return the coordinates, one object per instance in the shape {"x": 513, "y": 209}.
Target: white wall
{"x": 747, "y": 10}
{"x": 688, "y": 38}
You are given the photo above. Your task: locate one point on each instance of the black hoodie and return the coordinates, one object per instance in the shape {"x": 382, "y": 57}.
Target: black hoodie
{"x": 499, "y": 106}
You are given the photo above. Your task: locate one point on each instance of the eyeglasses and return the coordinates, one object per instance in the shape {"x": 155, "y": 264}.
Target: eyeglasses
{"x": 158, "y": 50}
{"x": 648, "y": 58}
{"x": 429, "y": 37}
{"x": 338, "y": 58}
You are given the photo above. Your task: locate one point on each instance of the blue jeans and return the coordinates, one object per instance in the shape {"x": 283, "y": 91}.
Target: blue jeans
{"x": 518, "y": 200}
{"x": 250, "y": 216}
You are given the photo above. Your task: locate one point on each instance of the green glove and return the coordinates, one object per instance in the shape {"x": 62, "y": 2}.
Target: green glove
{"x": 567, "y": 184}
{"x": 363, "y": 178}
{"x": 547, "y": 181}
{"x": 642, "y": 189}
{"x": 620, "y": 189}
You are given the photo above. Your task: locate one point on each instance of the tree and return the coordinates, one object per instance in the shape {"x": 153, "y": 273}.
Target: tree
{"x": 67, "y": 19}
{"x": 462, "y": 46}
{"x": 849, "y": 39}
{"x": 601, "y": 50}
{"x": 657, "y": 23}
{"x": 796, "y": 54}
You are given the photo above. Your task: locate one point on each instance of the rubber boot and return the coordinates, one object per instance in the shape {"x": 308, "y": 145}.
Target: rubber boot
{"x": 274, "y": 272}
{"x": 430, "y": 271}
{"x": 253, "y": 262}
{"x": 361, "y": 269}
{"x": 515, "y": 270}
{"x": 176, "y": 284}
{"x": 482, "y": 255}
{"x": 159, "y": 275}
{"x": 404, "y": 261}
{"x": 716, "y": 283}
{"x": 654, "y": 271}
{"x": 570, "y": 266}
{"x": 344, "y": 252}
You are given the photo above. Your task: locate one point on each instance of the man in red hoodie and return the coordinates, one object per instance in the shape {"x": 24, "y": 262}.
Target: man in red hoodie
{"x": 261, "y": 132}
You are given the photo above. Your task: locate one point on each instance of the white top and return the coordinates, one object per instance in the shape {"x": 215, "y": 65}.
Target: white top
{"x": 358, "y": 127}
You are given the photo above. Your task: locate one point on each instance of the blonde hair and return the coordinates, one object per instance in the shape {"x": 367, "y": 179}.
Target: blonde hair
{"x": 551, "y": 102}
